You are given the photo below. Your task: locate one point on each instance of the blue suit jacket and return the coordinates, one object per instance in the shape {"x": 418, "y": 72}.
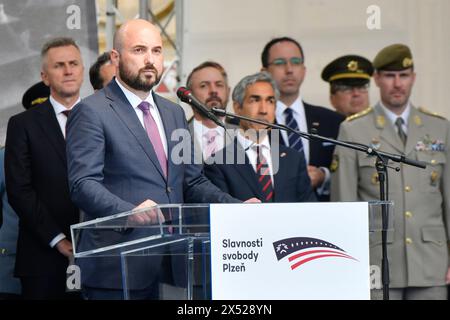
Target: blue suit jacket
{"x": 113, "y": 167}
{"x": 291, "y": 182}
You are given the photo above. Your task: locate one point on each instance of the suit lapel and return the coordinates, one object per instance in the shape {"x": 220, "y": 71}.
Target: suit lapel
{"x": 49, "y": 124}
{"x": 245, "y": 170}
{"x": 388, "y": 134}
{"x": 122, "y": 107}
{"x": 414, "y": 133}
{"x": 282, "y": 175}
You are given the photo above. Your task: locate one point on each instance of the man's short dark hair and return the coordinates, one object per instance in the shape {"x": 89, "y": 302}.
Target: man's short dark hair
{"x": 265, "y": 53}
{"x": 206, "y": 64}
{"x": 94, "y": 70}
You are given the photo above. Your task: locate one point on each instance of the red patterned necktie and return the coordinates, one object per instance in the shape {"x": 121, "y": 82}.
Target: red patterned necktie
{"x": 264, "y": 177}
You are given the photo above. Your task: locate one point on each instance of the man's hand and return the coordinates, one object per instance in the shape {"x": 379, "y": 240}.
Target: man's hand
{"x": 146, "y": 217}
{"x": 316, "y": 175}
{"x": 65, "y": 248}
{"x": 252, "y": 200}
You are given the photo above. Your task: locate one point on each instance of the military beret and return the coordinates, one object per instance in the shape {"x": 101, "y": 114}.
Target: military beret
{"x": 36, "y": 94}
{"x": 349, "y": 70}
{"x": 395, "y": 57}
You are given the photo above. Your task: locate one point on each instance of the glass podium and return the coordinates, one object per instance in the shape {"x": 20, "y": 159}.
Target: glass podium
{"x": 164, "y": 252}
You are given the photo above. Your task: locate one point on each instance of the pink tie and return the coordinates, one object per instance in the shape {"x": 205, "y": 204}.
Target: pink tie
{"x": 153, "y": 134}
{"x": 211, "y": 143}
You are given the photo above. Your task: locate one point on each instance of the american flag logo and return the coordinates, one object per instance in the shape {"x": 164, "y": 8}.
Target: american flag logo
{"x": 301, "y": 250}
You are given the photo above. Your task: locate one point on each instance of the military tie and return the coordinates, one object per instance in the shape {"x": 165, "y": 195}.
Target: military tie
{"x": 264, "y": 177}
{"x": 295, "y": 141}
{"x": 399, "y": 124}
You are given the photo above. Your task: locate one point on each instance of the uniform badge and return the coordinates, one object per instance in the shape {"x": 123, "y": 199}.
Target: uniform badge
{"x": 417, "y": 120}
{"x": 434, "y": 177}
{"x": 352, "y": 65}
{"x": 375, "y": 144}
{"x": 334, "y": 163}
{"x": 374, "y": 178}
{"x": 407, "y": 62}
{"x": 381, "y": 121}
{"x": 429, "y": 144}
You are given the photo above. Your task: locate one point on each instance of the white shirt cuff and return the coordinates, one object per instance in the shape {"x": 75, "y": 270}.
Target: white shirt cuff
{"x": 324, "y": 188}
{"x": 57, "y": 239}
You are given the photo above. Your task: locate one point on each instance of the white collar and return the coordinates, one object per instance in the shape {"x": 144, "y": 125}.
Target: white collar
{"x": 297, "y": 107}
{"x": 58, "y": 107}
{"x": 246, "y": 143}
{"x": 393, "y": 117}
{"x": 132, "y": 98}
{"x": 201, "y": 129}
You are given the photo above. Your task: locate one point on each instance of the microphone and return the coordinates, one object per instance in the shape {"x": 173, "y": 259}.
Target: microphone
{"x": 186, "y": 96}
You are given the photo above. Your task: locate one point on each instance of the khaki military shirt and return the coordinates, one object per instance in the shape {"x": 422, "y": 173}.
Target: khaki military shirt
{"x": 417, "y": 246}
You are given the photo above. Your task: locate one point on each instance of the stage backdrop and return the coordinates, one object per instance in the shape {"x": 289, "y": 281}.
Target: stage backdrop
{"x": 25, "y": 25}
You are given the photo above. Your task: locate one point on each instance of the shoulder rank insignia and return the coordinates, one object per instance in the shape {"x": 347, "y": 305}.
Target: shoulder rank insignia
{"x": 430, "y": 113}
{"x": 359, "y": 114}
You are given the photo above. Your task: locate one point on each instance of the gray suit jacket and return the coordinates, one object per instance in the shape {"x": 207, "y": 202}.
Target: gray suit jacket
{"x": 113, "y": 167}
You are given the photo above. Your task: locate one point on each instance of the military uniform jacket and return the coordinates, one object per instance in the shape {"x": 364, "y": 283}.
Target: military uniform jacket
{"x": 417, "y": 247}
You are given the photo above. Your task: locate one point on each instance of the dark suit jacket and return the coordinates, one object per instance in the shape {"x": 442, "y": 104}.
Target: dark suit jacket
{"x": 326, "y": 123}
{"x": 291, "y": 182}
{"x": 113, "y": 168}
{"x": 37, "y": 188}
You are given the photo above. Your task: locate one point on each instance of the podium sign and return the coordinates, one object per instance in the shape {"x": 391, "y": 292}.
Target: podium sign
{"x": 290, "y": 251}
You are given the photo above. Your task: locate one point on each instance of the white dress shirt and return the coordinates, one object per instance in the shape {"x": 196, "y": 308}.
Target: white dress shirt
{"x": 393, "y": 117}
{"x": 134, "y": 100}
{"x": 58, "y": 108}
{"x": 200, "y": 131}
{"x": 60, "y": 116}
{"x": 250, "y": 150}
{"x": 298, "y": 112}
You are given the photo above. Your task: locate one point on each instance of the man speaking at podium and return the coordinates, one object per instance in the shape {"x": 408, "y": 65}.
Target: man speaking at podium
{"x": 118, "y": 150}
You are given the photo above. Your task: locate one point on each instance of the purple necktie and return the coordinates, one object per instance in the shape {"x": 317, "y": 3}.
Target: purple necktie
{"x": 153, "y": 134}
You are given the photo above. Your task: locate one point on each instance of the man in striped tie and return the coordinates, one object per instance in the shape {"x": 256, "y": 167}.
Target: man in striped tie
{"x": 261, "y": 167}
{"x": 284, "y": 59}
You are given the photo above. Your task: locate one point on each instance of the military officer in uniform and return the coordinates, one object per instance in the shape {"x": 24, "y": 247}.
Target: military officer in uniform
{"x": 349, "y": 78}
{"x": 417, "y": 245}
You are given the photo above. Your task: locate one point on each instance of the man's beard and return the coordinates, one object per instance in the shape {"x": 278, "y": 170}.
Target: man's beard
{"x": 135, "y": 81}
{"x": 215, "y": 102}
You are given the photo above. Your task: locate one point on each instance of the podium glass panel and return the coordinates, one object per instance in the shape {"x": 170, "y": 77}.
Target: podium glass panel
{"x": 164, "y": 252}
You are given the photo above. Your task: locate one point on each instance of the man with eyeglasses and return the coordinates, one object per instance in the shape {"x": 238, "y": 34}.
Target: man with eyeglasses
{"x": 349, "y": 78}
{"x": 417, "y": 245}
{"x": 284, "y": 59}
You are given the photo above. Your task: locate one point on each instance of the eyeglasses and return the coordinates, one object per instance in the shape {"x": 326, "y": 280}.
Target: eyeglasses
{"x": 295, "y": 61}
{"x": 348, "y": 89}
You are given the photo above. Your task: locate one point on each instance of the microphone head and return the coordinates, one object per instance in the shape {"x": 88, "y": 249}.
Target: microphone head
{"x": 183, "y": 93}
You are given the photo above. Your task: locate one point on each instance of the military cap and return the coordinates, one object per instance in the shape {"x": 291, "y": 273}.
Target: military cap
{"x": 36, "y": 94}
{"x": 348, "y": 70}
{"x": 395, "y": 57}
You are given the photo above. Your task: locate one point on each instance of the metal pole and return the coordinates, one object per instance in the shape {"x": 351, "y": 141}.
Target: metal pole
{"x": 110, "y": 27}
{"x": 143, "y": 9}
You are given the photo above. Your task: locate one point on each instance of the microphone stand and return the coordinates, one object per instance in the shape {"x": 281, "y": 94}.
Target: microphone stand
{"x": 381, "y": 166}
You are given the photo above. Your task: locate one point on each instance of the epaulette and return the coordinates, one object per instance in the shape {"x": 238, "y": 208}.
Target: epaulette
{"x": 359, "y": 114}
{"x": 430, "y": 113}
{"x": 39, "y": 101}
